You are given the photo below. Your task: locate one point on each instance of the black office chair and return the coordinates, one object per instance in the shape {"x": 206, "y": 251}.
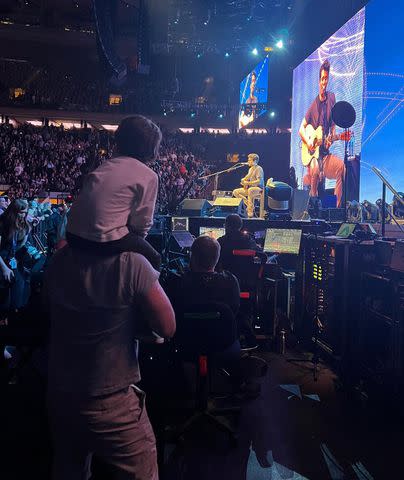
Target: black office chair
{"x": 203, "y": 331}
{"x": 248, "y": 267}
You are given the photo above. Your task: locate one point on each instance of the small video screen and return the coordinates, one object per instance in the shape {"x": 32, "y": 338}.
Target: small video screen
{"x": 212, "y": 232}
{"x": 282, "y": 240}
{"x": 180, "y": 224}
{"x": 346, "y": 230}
{"x": 184, "y": 239}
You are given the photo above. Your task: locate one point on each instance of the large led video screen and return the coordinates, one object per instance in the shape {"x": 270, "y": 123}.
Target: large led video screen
{"x": 382, "y": 141}
{"x": 332, "y": 73}
{"x": 254, "y": 94}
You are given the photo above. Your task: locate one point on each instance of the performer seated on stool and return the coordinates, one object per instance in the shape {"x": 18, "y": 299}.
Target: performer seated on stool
{"x": 253, "y": 184}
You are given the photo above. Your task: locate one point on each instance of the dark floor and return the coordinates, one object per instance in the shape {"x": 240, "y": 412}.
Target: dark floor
{"x": 296, "y": 429}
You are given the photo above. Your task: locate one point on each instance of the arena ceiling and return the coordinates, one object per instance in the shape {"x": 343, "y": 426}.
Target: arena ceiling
{"x": 228, "y": 24}
{"x": 187, "y": 25}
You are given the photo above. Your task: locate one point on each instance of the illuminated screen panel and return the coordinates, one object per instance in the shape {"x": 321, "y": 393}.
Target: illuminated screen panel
{"x": 382, "y": 143}
{"x": 254, "y": 94}
{"x": 180, "y": 224}
{"x": 212, "y": 232}
{"x": 282, "y": 240}
{"x": 345, "y": 53}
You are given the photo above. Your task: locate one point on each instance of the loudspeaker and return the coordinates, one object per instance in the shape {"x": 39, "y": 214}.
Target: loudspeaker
{"x": 224, "y": 206}
{"x": 194, "y": 207}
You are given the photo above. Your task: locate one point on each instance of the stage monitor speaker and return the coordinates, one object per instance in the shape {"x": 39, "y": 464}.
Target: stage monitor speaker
{"x": 224, "y": 206}
{"x": 194, "y": 207}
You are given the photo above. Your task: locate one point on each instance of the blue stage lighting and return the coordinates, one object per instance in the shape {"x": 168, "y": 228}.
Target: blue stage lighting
{"x": 254, "y": 51}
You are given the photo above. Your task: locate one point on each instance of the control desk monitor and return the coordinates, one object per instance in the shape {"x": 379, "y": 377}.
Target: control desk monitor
{"x": 180, "y": 224}
{"x": 346, "y": 230}
{"x": 282, "y": 240}
{"x": 184, "y": 239}
{"x": 212, "y": 232}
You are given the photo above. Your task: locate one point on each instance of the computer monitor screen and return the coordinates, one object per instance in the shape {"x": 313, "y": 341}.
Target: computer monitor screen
{"x": 212, "y": 232}
{"x": 184, "y": 239}
{"x": 346, "y": 230}
{"x": 179, "y": 224}
{"x": 282, "y": 240}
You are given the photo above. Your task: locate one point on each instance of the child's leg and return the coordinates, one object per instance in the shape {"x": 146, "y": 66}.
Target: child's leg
{"x": 130, "y": 243}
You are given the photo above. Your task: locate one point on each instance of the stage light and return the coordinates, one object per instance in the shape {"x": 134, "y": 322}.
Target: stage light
{"x": 254, "y": 51}
{"x": 165, "y": 114}
{"x": 272, "y": 114}
{"x": 193, "y": 115}
{"x": 279, "y": 44}
{"x": 199, "y": 55}
{"x": 221, "y": 115}
{"x": 227, "y": 54}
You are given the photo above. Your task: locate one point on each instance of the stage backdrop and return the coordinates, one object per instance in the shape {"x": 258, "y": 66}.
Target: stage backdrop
{"x": 345, "y": 52}
{"x": 253, "y": 91}
{"x": 382, "y": 142}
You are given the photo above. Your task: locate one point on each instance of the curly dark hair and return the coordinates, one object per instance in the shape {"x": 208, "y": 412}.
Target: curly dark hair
{"x": 325, "y": 66}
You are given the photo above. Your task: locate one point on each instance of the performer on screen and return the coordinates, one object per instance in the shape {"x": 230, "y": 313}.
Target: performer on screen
{"x": 248, "y": 113}
{"x": 252, "y": 184}
{"x": 252, "y": 98}
{"x": 317, "y": 132}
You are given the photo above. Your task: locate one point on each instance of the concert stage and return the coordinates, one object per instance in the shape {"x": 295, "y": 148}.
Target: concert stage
{"x": 252, "y": 225}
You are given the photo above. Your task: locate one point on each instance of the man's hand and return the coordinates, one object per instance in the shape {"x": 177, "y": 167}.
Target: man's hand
{"x": 328, "y": 142}
{"x": 310, "y": 145}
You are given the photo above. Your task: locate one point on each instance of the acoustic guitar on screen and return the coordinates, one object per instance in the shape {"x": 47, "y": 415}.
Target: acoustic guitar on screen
{"x": 316, "y": 138}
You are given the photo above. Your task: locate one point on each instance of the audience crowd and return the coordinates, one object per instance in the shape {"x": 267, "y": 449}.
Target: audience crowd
{"x": 36, "y": 160}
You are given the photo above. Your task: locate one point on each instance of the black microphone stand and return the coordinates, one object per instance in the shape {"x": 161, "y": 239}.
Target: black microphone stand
{"x": 345, "y": 183}
{"x": 216, "y": 174}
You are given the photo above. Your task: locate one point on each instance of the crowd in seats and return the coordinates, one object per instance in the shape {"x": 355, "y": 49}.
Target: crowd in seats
{"x": 38, "y": 160}
{"x": 35, "y": 160}
{"x": 179, "y": 169}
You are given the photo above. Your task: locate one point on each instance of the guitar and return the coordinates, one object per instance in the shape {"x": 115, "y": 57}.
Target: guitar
{"x": 244, "y": 185}
{"x": 316, "y": 138}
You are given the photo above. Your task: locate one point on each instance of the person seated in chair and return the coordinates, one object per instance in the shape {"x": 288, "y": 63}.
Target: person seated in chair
{"x": 203, "y": 284}
{"x": 234, "y": 239}
{"x": 252, "y": 184}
